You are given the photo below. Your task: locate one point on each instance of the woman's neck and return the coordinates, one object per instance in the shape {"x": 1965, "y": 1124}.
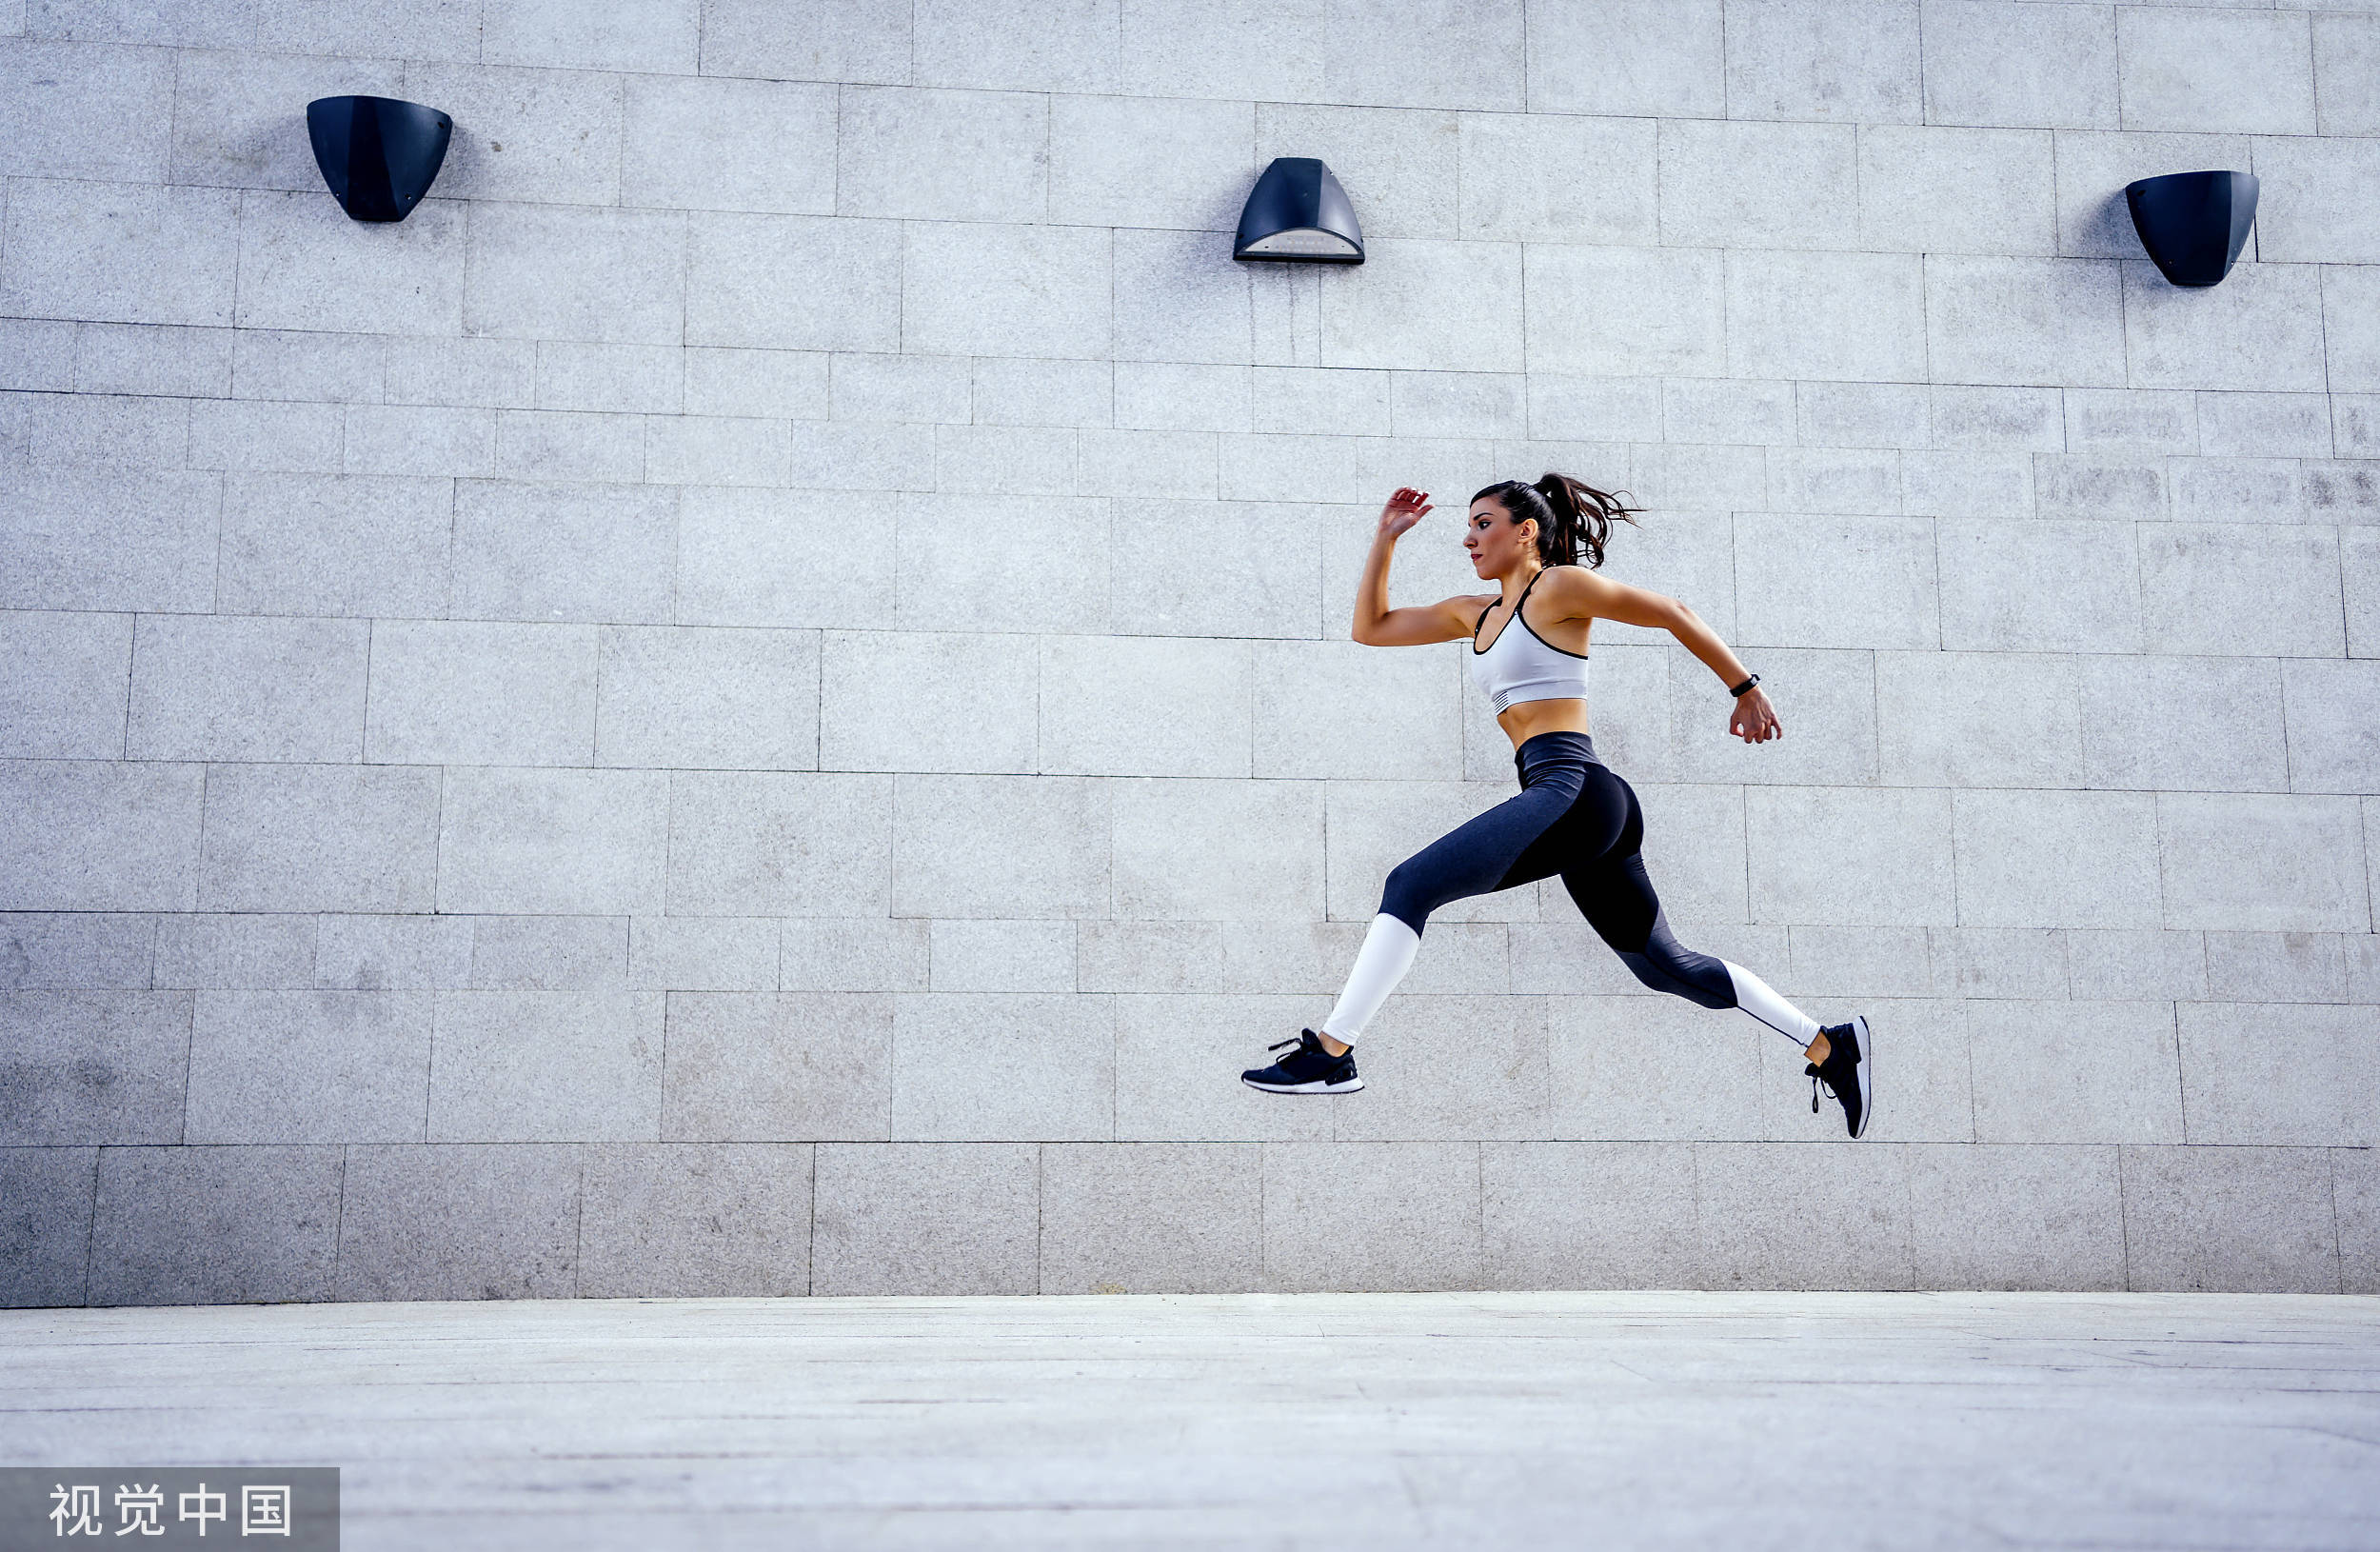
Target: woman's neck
{"x": 1517, "y": 583}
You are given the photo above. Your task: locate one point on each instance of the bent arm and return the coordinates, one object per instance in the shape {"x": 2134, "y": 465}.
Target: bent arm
{"x": 1609, "y": 599}
{"x": 1377, "y": 624}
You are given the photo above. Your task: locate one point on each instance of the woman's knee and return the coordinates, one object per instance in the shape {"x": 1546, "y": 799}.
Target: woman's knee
{"x": 1665, "y": 965}
{"x": 1407, "y": 895}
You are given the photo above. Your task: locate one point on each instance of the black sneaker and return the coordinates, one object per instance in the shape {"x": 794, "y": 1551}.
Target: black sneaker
{"x": 1849, "y": 1072}
{"x": 1309, "y": 1069}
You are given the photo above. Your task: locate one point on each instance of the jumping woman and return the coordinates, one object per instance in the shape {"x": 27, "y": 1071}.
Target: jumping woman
{"x": 1573, "y": 815}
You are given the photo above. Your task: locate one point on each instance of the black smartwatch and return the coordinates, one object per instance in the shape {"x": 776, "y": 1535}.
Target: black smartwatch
{"x": 1739, "y": 689}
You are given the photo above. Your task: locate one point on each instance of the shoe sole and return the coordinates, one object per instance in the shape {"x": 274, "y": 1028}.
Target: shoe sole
{"x": 1866, "y": 1072}
{"x": 1317, "y": 1086}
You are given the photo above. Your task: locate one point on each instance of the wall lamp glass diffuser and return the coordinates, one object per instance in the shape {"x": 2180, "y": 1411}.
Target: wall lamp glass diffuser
{"x": 378, "y": 154}
{"x": 1298, "y": 211}
{"x": 2193, "y": 224}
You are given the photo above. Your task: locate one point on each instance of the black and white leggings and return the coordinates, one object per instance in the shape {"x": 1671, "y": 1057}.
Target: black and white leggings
{"x": 1576, "y": 817}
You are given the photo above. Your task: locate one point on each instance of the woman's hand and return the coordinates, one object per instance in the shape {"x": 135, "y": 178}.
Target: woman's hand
{"x": 1403, "y": 511}
{"x": 1756, "y": 720}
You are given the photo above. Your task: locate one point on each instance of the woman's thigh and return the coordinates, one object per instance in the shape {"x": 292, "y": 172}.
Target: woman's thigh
{"x": 1560, "y": 822}
{"x": 1606, "y": 878}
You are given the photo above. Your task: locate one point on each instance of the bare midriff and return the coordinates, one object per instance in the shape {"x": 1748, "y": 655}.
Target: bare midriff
{"x": 1526, "y": 720}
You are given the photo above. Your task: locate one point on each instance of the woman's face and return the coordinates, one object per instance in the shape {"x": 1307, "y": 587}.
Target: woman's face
{"x": 1496, "y": 542}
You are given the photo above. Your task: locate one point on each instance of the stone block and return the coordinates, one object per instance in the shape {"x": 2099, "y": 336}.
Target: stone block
{"x": 1958, "y": 190}
{"x": 2134, "y": 964}
{"x": 789, "y": 383}
{"x": 427, "y": 30}
{"x": 552, "y": 446}
{"x": 304, "y": 265}
{"x": 2305, "y": 1074}
{"x": 1629, "y": 56}
{"x": 1638, "y": 1069}
{"x": 1605, "y": 311}
{"x": 2038, "y": 857}
{"x": 2347, "y": 74}
{"x": 723, "y": 699}
{"x": 745, "y": 285}
{"x": 2025, "y": 320}
{"x": 2234, "y": 1220}
{"x": 1372, "y": 1216}
{"x": 1851, "y": 856}
{"x": 1001, "y": 956}
{"x": 1151, "y": 1218}
{"x": 1019, "y": 460}
{"x": 1212, "y": 850}
{"x": 418, "y": 439}
{"x": 1144, "y": 464}
{"x": 1145, "y": 162}
{"x": 2266, "y": 85}
{"x": 776, "y": 843}
{"x": 988, "y": 562}
{"x": 676, "y": 1219}
{"x": 248, "y": 689}
{"x": 465, "y": 371}
{"x": 336, "y": 545}
{"x": 146, "y": 358}
{"x": 1454, "y": 1068}
{"x": 308, "y": 1066}
{"x": 1964, "y": 719}
{"x": 717, "y": 449}
{"x": 926, "y": 1218}
{"x": 2262, "y": 328}
{"x": 1442, "y": 305}
{"x": 530, "y": 550}
{"x": 1000, "y": 847}
{"x": 724, "y": 144}
{"x": 1856, "y": 582}
{"x": 795, "y": 1066}
{"x": 975, "y": 287}
{"x": 378, "y": 951}
{"x": 1547, "y": 178}
{"x": 1589, "y": 1215}
{"x": 547, "y": 1066}
{"x": 215, "y": 1225}
{"x": 94, "y": 1067}
{"x": 2070, "y": 1237}
{"x": 1759, "y": 1200}
{"x": 980, "y": 1067}
{"x": 1145, "y": 706}
{"x": 2330, "y": 707}
{"x": 2095, "y": 1072}
{"x": 660, "y": 36}
{"x": 475, "y": 692}
{"x": 319, "y": 839}
{"x": 1064, "y": 48}
{"x": 45, "y": 1237}
{"x": 698, "y": 953}
{"x": 2261, "y": 863}
{"x": 69, "y": 949}
{"x": 268, "y": 435}
{"x": 85, "y": 111}
{"x": 1172, "y": 303}
{"x": 1758, "y": 185}
{"x": 1177, "y": 1060}
{"x": 2021, "y": 66}
{"x": 1027, "y": 392}
{"x": 614, "y": 276}
{"x": 1857, "y": 317}
{"x": 1809, "y": 59}
{"x": 65, "y": 685}
{"x": 130, "y": 253}
{"x": 770, "y": 558}
{"x": 94, "y": 835}
{"x": 2055, "y": 586}
{"x": 854, "y": 954}
{"x": 1340, "y": 710}
{"x": 924, "y": 154}
{"x": 459, "y": 1220}
{"x": 541, "y": 842}
{"x": 109, "y": 539}
{"x": 550, "y": 953}
{"x": 925, "y": 701}
{"x": 541, "y": 136}
{"x": 860, "y": 40}
{"x": 2208, "y": 588}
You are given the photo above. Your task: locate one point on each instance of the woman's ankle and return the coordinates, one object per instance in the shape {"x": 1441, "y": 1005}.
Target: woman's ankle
{"x": 1330, "y": 1043}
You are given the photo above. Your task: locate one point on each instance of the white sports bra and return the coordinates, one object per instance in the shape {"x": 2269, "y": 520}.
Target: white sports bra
{"x": 1524, "y": 668}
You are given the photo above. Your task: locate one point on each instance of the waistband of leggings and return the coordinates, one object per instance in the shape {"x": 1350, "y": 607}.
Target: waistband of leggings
{"x": 1553, "y": 748}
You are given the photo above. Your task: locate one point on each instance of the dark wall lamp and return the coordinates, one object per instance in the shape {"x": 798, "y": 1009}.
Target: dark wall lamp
{"x": 378, "y": 154}
{"x": 2193, "y": 224}
{"x": 1298, "y": 211}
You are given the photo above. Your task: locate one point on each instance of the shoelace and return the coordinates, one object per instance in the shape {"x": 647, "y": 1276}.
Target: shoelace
{"x": 1811, "y": 1068}
{"x": 1284, "y": 1044}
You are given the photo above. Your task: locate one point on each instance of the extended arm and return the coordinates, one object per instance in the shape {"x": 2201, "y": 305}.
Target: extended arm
{"x": 1591, "y": 594}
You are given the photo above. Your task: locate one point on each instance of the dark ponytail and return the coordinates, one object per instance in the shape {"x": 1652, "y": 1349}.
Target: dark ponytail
{"x": 1574, "y": 519}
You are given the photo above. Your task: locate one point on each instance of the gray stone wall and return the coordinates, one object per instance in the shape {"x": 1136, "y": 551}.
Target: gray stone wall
{"x": 758, "y": 699}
